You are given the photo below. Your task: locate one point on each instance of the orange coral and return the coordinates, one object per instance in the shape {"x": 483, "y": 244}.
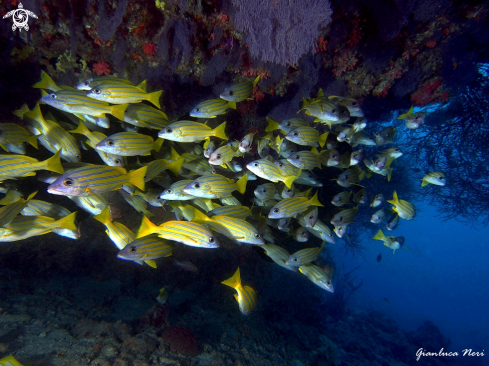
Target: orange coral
{"x": 101, "y": 68}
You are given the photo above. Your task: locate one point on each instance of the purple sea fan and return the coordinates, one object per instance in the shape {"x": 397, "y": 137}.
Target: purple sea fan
{"x": 281, "y": 31}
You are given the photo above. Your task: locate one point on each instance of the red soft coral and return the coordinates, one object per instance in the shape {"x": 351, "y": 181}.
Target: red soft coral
{"x": 149, "y": 49}
{"x": 101, "y": 68}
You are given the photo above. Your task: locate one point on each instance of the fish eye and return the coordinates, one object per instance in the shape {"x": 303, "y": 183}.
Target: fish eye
{"x": 68, "y": 182}
{"x": 218, "y": 156}
{"x": 264, "y": 190}
{"x": 110, "y": 142}
{"x": 289, "y": 190}
{"x": 86, "y": 83}
{"x": 53, "y": 96}
{"x": 78, "y": 156}
{"x": 276, "y": 210}
{"x": 117, "y": 161}
{"x": 288, "y": 123}
{"x": 211, "y": 239}
{"x": 416, "y": 117}
{"x": 353, "y": 103}
{"x": 303, "y": 233}
{"x": 441, "y": 178}
{"x": 333, "y": 111}
{"x": 311, "y": 217}
{"x": 231, "y": 92}
{"x": 258, "y": 236}
{"x": 197, "y": 109}
{"x": 295, "y": 259}
{"x": 328, "y": 283}
{"x": 280, "y": 165}
{"x": 296, "y": 133}
{"x": 97, "y": 91}
{"x": 168, "y": 130}
{"x": 169, "y": 191}
{"x": 297, "y": 156}
{"x": 132, "y": 249}
{"x": 341, "y": 218}
{"x": 197, "y": 185}
{"x": 255, "y": 165}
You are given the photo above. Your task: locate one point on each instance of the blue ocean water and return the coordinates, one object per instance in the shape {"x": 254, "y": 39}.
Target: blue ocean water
{"x": 443, "y": 277}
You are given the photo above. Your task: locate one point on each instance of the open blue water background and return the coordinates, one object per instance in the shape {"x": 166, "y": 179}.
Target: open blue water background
{"x": 443, "y": 278}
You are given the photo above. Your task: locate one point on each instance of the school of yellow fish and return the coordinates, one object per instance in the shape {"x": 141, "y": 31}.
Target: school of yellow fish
{"x": 194, "y": 169}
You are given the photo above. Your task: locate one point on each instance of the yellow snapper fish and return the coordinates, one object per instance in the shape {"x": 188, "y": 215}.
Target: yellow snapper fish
{"x": 150, "y": 247}
{"x": 145, "y": 116}
{"x": 162, "y": 296}
{"x": 413, "y": 120}
{"x": 317, "y": 276}
{"x": 301, "y": 235}
{"x": 117, "y": 93}
{"x": 129, "y": 144}
{"x": 378, "y": 216}
{"x": 392, "y": 242}
{"x": 377, "y": 200}
{"x": 13, "y": 134}
{"x": 309, "y": 217}
{"x": 137, "y": 202}
{"x": 392, "y": 222}
{"x": 53, "y": 137}
{"x": 267, "y": 170}
{"x": 360, "y": 197}
{"x": 356, "y": 157}
{"x": 190, "y": 131}
{"x": 14, "y": 166}
{"x": 289, "y": 207}
{"x": 175, "y": 191}
{"x": 240, "y": 212}
{"x": 95, "y": 179}
{"x": 235, "y": 229}
{"x": 344, "y": 217}
{"x": 9, "y": 361}
{"x": 437, "y": 178}
{"x": 278, "y": 254}
{"x": 330, "y": 158}
{"x": 307, "y": 136}
{"x": 384, "y": 135}
{"x": 324, "y": 110}
{"x": 223, "y": 155}
{"x": 341, "y": 199}
{"x": 215, "y": 186}
{"x": 350, "y": 177}
{"x": 304, "y": 256}
{"x": 246, "y": 296}
{"x": 211, "y": 108}
{"x": 11, "y": 210}
{"x": 76, "y": 102}
{"x": 185, "y": 232}
{"x": 245, "y": 143}
{"x": 23, "y": 227}
{"x": 350, "y": 103}
{"x": 95, "y": 137}
{"x": 209, "y": 148}
{"x": 265, "y": 191}
{"x": 404, "y": 209}
{"x": 92, "y": 82}
{"x": 239, "y": 91}
{"x": 286, "y": 125}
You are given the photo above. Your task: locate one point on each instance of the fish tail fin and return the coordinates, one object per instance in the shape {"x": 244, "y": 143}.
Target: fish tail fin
{"x": 314, "y": 200}
{"x": 35, "y": 114}
{"x": 118, "y": 111}
{"x": 150, "y": 263}
{"x": 232, "y": 105}
{"x": 304, "y": 104}
{"x": 220, "y": 131}
{"x": 272, "y": 125}
{"x": 174, "y": 155}
{"x": 146, "y": 228}
{"x": 104, "y": 216}
{"x": 21, "y": 111}
{"x": 199, "y": 216}
{"x": 136, "y": 177}
{"x": 68, "y": 222}
{"x": 289, "y": 180}
{"x": 176, "y": 165}
{"x": 241, "y": 184}
{"x": 81, "y": 129}
{"x": 407, "y": 114}
{"x": 234, "y": 281}
{"x": 154, "y": 98}
{"x": 395, "y": 199}
{"x": 32, "y": 140}
{"x": 143, "y": 86}
{"x": 31, "y": 196}
{"x": 380, "y": 235}
{"x": 157, "y": 144}
{"x": 46, "y": 83}
{"x": 257, "y": 79}
{"x": 424, "y": 183}
{"x": 53, "y": 164}
{"x": 320, "y": 93}
{"x": 322, "y": 139}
